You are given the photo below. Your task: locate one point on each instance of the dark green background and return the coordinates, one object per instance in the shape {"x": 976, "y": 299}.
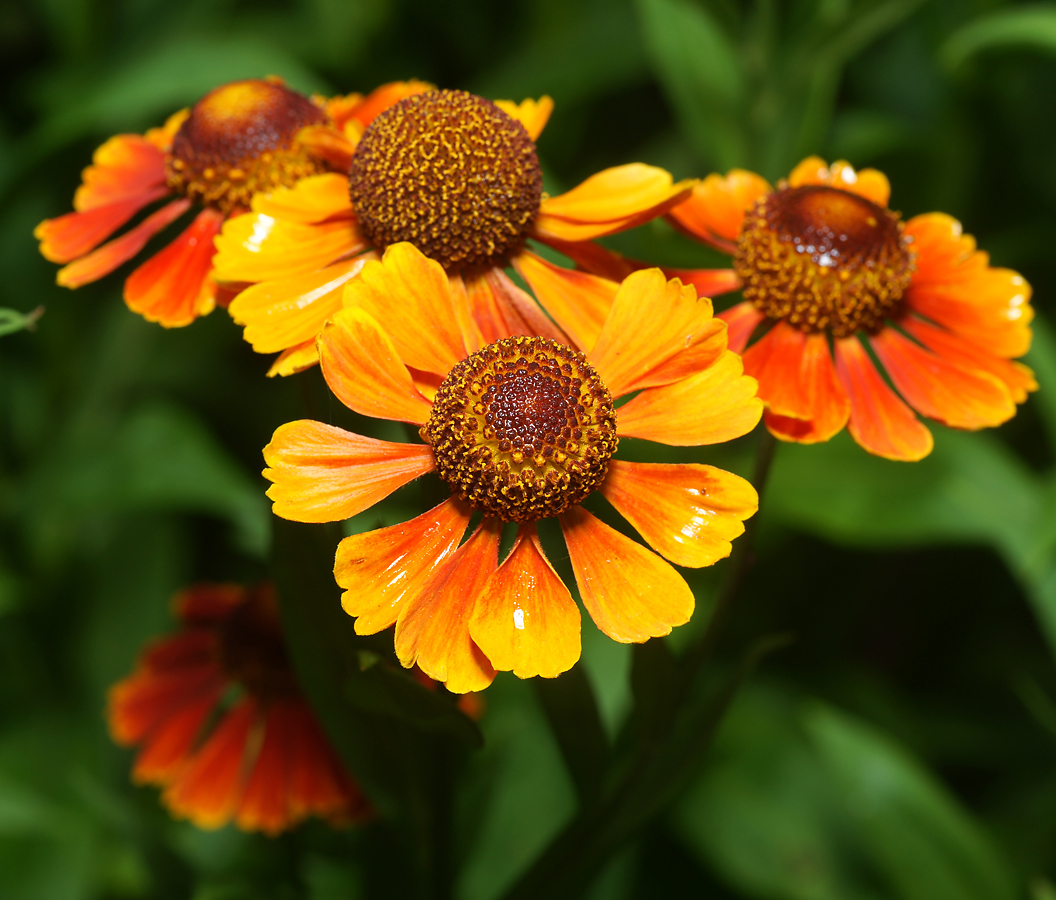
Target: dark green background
{"x": 904, "y": 746}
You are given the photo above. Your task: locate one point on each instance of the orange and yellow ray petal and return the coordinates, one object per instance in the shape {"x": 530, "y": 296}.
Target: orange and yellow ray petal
{"x": 295, "y": 359}
{"x": 869, "y": 183}
{"x": 532, "y": 114}
{"x": 828, "y": 406}
{"x": 519, "y": 311}
{"x": 657, "y": 332}
{"x": 264, "y": 805}
{"x": 174, "y": 286}
{"x": 170, "y": 744}
{"x": 774, "y": 361}
{"x": 286, "y": 312}
{"x": 254, "y": 247}
{"x": 382, "y": 97}
{"x": 608, "y": 202}
{"x": 713, "y": 406}
{"x": 879, "y": 421}
{"x": 321, "y": 473}
{"x": 432, "y": 629}
{"x": 310, "y": 200}
{"x": 741, "y": 321}
{"x": 526, "y": 621}
{"x": 687, "y": 513}
{"x": 577, "y": 301}
{"x": 412, "y": 295}
{"x": 941, "y": 389}
{"x": 126, "y": 166}
{"x": 336, "y": 148}
{"x": 162, "y": 137}
{"x": 717, "y": 205}
{"x": 955, "y": 286}
{"x": 382, "y": 570}
{"x": 629, "y": 591}
{"x": 363, "y": 369}
{"x": 103, "y": 260}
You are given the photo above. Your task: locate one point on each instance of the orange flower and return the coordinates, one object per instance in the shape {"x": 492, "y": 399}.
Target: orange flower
{"x": 520, "y": 428}
{"x": 458, "y": 177}
{"x": 822, "y": 257}
{"x": 239, "y": 139}
{"x": 263, "y": 761}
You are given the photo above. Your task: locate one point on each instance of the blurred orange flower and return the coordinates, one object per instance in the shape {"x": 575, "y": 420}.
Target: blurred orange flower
{"x": 823, "y": 257}
{"x": 262, "y": 760}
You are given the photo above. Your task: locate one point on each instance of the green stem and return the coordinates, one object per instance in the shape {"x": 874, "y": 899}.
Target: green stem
{"x": 11, "y": 320}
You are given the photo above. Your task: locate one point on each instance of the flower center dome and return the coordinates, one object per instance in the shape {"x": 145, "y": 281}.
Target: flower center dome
{"x": 522, "y": 429}
{"x": 451, "y": 173}
{"x": 238, "y": 140}
{"x": 823, "y": 258}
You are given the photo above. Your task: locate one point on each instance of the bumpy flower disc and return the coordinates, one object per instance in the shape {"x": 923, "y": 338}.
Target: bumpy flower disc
{"x": 823, "y": 258}
{"x": 522, "y": 429}
{"x": 238, "y": 140}
{"x": 451, "y": 173}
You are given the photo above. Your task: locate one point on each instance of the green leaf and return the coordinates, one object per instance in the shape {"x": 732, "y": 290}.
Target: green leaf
{"x": 916, "y": 833}
{"x": 1024, "y": 26}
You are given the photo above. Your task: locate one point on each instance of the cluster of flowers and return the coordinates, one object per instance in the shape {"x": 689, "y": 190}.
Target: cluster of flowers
{"x": 372, "y": 235}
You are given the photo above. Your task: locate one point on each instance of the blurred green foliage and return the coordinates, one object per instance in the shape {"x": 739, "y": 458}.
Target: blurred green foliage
{"x": 903, "y": 747}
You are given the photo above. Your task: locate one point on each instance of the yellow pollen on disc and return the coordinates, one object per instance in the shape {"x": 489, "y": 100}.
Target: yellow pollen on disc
{"x": 451, "y": 173}
{"x": 522, "y": 429}
{"x": 822, "y": 258}
{"x": 238, "y": 140}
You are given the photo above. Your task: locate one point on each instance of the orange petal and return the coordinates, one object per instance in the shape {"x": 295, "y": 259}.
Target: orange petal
{"x": 310, "y": 200}
{"x": 105, "y": 259}
{"x": 169, "y": 745}
{"x": 318, "y": 783}
{"x": 526, "y": 621}
{"x": 629, "y": 591}
{"x": 296, "y": 359}
{"x": 254, "y": 247}
{"x": 689, "y": 513}
{"x": 657, "y": 332}
{"x": 707, "y": 282}
{"x": 336, "y": 148}
{"x": 126, "y": 166}
{"x": 869, "y": 183}
{"x": 879, "y": 421}
{"x": 715, "y": 405}
{"x": 363, "y": 369}
{"x": 208, "y": 790}
{"x": 143, "y": 701}
{"x": 955, "y": 286}
{"x": 76, "y": 233}
{"x": 1017, "y": 377}
{"x": 381, "y": 98}
{"x": 265, "y": 803}
{"x": 532, "y": 114}
{"x": 208, "y": 603}
{"x": 325, "y": 474}
{"x": 173, "y": 287}
{"x": 717, "y": 206}
{"x": 411, "y": 294}
{"x": 597, "y": 260}
{"x": 827, "y": 404}
{"x": 774, "y": 360}
{"x": 162, "y": 137}
{"x": 433, "y": 627}
{"x": 520, "y": 313}
{"x": 578, "y": 302}
{"x": 380, "y": 570}
{"x": 942, "y": 389}
{"x": 280, "y": 314}
{"x": 611, "y": 201}
{"x": 741, "y": 321}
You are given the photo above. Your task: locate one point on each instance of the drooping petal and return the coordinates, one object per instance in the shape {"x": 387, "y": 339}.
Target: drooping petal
{"x": 941, "y": 389}
{"x": 254, "y": 247}
{"x": 335, "y": 148}
{"x": 264, "y": 805}
{"x": 657, "y": 332}
{"x": 629, "y": 591}
{"x": 879, "y": 421}
{"x": 706, "y": 282}
{"x": 577, "y": 301}
{"x": 173, "y": 287}
{"x": 326, "y": 474}
{"x": 318, "y": 783}
{"x": 169, "y": 745}
{"x": 296, "y": 359}
{"x": 209, "y": 788}
{"x": 741, "y": 321}
{"x": 869, "y": 183}
{"x": 608, "y": 202}
{"x": 124, "y": 167}
{"x": 312, "y": 199}
{"x": 280, "y": 314}
{"x": 688, "y": 513}
{"x": 411, "y": 294}
{"x": 1017, "y": 377}
{"x": 363, "y": 369}
{"x": 500, "y": 309}
{"x": 433, "y": 627}
{"x": 526, "y": 621}
{"x": 532, "y": 114}
{"x": 717, "y": 206}
{"x": 774, "y": 361}
{"x": 381, "y": 570}
{"x": 828, "y": 407}
{"x": 140, "y": 703}
{"x": 105, "y": 259}
{"x": 207, "y": 604}
{"x": 716, "y": 405}
{"x": 955, "y": 286}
